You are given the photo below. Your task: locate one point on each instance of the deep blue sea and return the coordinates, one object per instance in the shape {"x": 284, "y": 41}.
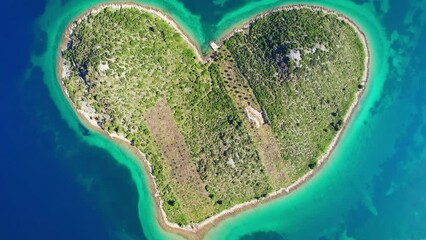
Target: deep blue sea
{"x": 45, "y": 169}
{"x": 61, "y": 180}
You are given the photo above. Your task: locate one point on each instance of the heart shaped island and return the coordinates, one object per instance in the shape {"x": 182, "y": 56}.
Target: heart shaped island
{"x": 248, "y": 123}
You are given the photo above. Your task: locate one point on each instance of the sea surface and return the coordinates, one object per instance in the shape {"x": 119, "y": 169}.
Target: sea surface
{"x": 61, "y": 180}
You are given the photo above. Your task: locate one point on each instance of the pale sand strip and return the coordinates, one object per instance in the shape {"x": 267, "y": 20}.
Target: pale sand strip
{"x": 196, "y": 231}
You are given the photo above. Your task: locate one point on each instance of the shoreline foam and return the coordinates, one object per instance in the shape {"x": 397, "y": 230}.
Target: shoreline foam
{"x": 195, "y": 231}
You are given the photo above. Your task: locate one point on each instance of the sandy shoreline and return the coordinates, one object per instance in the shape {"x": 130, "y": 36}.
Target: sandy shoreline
{"x": 196, "y": 231}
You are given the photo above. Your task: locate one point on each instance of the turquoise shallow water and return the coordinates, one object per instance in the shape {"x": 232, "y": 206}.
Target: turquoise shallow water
{"x": 373, "y": 186}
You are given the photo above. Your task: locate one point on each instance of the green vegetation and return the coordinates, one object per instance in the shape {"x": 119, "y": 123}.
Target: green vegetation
{"x": 304, "y": 68}
{"x": 128, "y": 68}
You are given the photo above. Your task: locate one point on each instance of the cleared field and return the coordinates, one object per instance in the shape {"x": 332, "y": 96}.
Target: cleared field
{"x": 238, "y": 88}
{"x": 178, "y": 162}
{"x": 269, "y": 152}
